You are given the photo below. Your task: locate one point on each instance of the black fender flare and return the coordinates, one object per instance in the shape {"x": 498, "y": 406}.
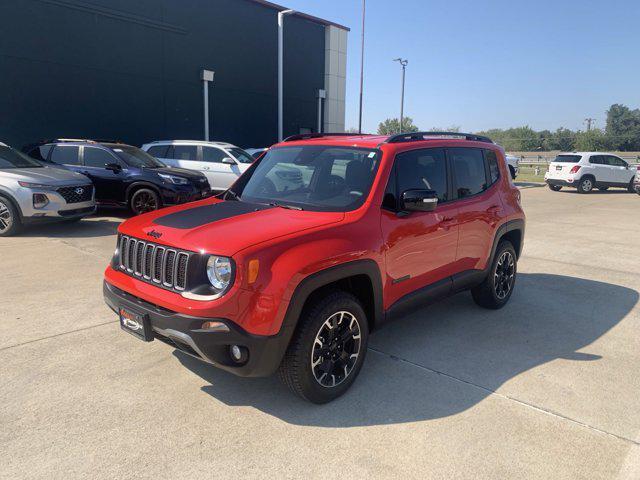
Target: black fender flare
{"x": 141, "y": 184}
{"x": 503, "y": 229}
{"x": 333, "y": 274}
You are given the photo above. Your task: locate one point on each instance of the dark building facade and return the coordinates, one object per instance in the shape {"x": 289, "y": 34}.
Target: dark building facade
{"x": 130, "y": 70}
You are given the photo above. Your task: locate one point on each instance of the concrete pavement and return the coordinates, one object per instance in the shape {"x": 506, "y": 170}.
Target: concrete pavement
{"x": 547, "y": 387}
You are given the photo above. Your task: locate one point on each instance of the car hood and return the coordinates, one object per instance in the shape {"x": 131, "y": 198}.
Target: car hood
{"x": 222, "y": 227}
{"x": 45, "y": 175}
{"x": 180, "y": 172}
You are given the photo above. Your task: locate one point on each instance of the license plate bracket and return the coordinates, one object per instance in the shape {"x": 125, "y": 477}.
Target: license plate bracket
{"x": 137, "y": 324}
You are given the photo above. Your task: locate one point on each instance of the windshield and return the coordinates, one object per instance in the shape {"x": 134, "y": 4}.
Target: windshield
{"x": 320, "y": 178}
{"x": 241, "y": 155}
{"x": 134, "y": 157}
{"x": 568, "y": 158}
{"x": 10, "y": 158}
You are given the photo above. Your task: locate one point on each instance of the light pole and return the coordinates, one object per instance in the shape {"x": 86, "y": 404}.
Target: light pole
{"x": 206, "y": 76}
{"x": 404, "y": 63}
{"x": 364, "y": 4}
{"x": 280, "y": 68}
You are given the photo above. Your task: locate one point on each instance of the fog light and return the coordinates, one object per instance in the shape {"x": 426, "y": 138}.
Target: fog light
{"x": 238, "y": 354}
{"x": 40, "y": 200}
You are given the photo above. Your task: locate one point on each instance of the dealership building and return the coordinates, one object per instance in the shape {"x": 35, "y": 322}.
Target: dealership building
{"x": 133, "y": 71}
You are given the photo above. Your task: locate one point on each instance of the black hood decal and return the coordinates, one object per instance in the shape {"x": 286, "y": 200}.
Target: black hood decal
{"x": 198, "y": 216}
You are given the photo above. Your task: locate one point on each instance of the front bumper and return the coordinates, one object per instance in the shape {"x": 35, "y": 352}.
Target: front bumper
{"x": 184, "y": 193}
{"x": 184, "y": 333}
{"x": 56, "y": 209}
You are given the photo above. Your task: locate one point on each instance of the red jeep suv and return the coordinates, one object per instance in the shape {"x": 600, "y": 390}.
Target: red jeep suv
{"x": 320, "y": 242}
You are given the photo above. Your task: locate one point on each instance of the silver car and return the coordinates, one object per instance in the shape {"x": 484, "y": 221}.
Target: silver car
{"x": 31, "y": 192}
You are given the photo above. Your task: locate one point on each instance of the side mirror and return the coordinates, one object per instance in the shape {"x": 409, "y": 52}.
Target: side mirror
{"x": 114, "y": 167}
{"x": 228, "y": 161}
{"x": 419, "y": 200}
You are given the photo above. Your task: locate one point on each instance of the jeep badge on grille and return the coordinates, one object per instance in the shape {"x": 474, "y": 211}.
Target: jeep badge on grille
{"x": 154, "y": 234}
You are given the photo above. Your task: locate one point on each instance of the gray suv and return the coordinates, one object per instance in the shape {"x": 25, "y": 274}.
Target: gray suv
{"x": 31, "y": 192}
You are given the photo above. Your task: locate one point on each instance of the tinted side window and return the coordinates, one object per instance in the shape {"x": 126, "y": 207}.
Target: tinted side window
{"x": 211, "y": 154}
{"x": 185, "y": 152}
{"x": 41, "y": 152}
{"x": 494, "y": 169}
{"x": 596, "y": 160}
{"x": 469, "y": 172}
{"x": 423, "y": 169}
{"x": 95, "y": 157}
{"x": 159, "y": 151}
{"x": 65, "y": 155}
{"x": 615, "y": 161}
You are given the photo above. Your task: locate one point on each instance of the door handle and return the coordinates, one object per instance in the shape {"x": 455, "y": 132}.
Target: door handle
{"x": 446, "y": 223}
{"x": 205, "y": 168}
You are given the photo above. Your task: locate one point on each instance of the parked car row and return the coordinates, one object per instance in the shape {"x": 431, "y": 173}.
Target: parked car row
{"x": 588, "y": 170}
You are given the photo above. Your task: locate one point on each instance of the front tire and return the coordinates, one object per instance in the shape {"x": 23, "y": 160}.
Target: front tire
{"x": 495, "y": 291}
{"x": 512, "y": 171}
{"x": 555, "y": 188}
{"x": 10, "y": 223}
{"x": 143, "y": 201}
{"x": 586, "y": 185}
{"x": 631, "y": 188}
{"x": 328, "y": 349}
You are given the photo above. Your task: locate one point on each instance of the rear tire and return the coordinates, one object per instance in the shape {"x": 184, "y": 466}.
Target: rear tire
{"x": 143, "y": 201}
{"x": 586, "y": 185}
{"x": 10, "y": 222}
{"x": 555, "y": 188}
{"x": 328, "y": 348}
{"x": 495, "y": 291}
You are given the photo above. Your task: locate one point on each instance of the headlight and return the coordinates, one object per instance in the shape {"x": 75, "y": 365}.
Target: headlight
{"x": 36, "y": 185}
{"x": 174, "y": 179}
{"x": 219, "y": 272}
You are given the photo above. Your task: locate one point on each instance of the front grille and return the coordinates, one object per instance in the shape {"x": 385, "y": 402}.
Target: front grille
{"x": 153, "y": 263}
{"x": 77, "y": 193}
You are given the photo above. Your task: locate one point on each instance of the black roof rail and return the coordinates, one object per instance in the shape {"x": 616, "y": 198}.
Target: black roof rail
{"x": 307, "y": 136}
{"x": 419, "y": 136}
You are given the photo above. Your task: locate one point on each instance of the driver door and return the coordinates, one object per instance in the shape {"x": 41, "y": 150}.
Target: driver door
{"x": 109, "y": 183}
{"x": 221, "y": 175}
{"x": 420, "y": 246}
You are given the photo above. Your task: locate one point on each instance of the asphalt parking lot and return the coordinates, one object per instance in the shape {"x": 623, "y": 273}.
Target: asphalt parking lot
{"x": 548, "y": 387}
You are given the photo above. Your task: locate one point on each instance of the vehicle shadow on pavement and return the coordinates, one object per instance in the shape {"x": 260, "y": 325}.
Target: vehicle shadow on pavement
{"x": 444, "y": 359}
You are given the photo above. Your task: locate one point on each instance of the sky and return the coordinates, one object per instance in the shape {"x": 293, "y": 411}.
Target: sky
{"x": 489, "y": 63}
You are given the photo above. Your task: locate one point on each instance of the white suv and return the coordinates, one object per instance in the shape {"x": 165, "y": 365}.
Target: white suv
{"x": 588, "y": 170}
{"x": 222, "y": 163}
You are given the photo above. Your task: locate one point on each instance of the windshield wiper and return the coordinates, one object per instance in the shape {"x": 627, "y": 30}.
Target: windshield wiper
{"x": 232, "y": 194}
{"x": 282, "y": 205}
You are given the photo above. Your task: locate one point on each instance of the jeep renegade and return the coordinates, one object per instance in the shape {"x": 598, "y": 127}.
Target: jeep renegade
{"x": 320, "y": 242}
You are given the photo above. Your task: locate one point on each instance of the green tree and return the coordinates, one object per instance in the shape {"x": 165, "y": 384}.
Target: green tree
{"x": 623, "y": 128}
{"x": 391, "y": 126}
{"x": 562, "y": 139}
{"x": 591, "y": 140}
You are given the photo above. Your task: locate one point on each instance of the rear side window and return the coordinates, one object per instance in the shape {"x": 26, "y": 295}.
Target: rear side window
{"x": 567, "y": 158}
{"x": 185, "y": 152}
{"x": 95, "y": 157}
{"x": 494, "y": 169}
{"x": 470, "y": 177}
{"x": 423, "y": 169}
{"x": 211, "y": 154}
{"x": 65, "y": 155}
{"x": 158, "y": 151}
{"x": 597, "y": 160}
